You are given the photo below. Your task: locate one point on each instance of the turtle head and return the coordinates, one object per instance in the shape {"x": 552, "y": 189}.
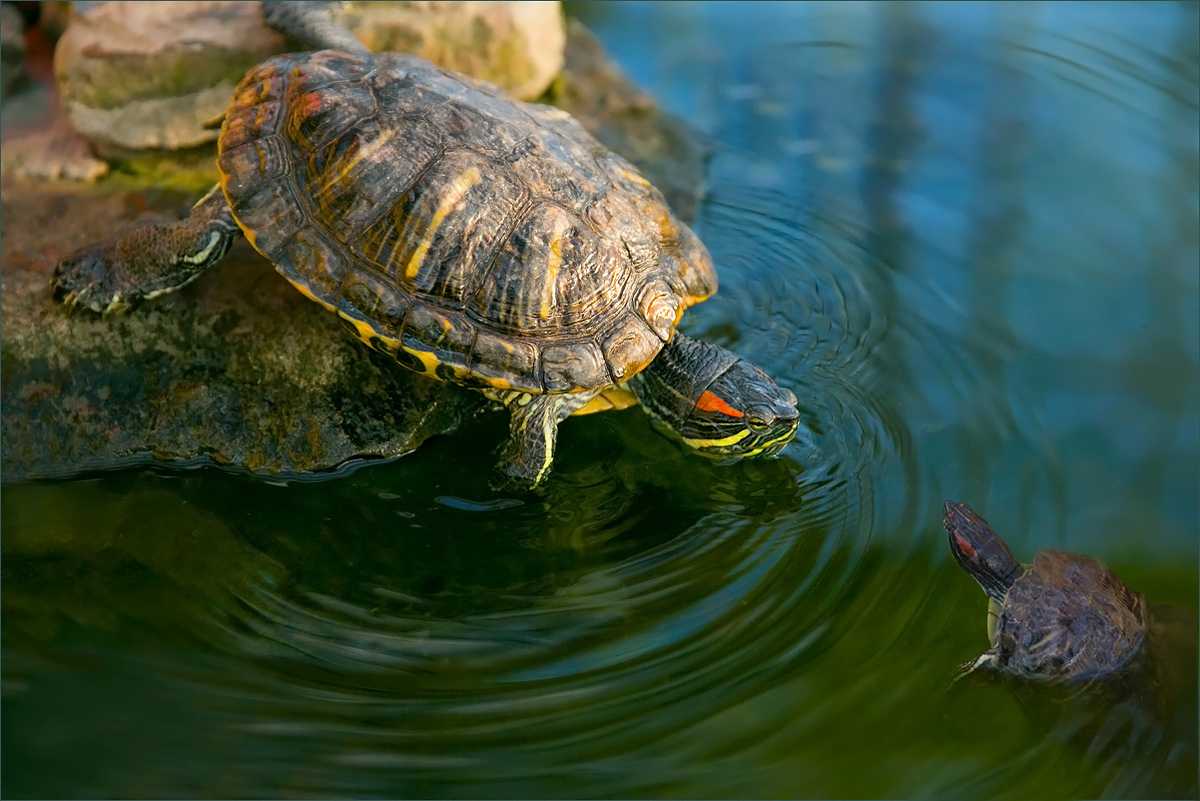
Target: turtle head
{"x": 742, "y": 412}
{"x": 716, "y": 402}
{"x": 979, "y": 550}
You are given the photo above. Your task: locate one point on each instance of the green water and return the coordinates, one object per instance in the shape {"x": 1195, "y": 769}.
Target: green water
{"x": 965, "y": 235}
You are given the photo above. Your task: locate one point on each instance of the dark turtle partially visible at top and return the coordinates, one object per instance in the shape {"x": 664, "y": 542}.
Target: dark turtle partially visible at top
{"x": 472, "y": 237}
{"x": 1065, "y": 618}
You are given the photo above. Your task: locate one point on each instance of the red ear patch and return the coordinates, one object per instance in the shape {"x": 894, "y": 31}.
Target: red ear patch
{"x": 711, "y": 403}
{"x": 964, "y": 546}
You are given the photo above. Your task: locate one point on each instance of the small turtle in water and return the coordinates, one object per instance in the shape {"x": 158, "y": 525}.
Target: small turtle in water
{"x": 1065, "y": 618}
{"x": 473, "y": 237}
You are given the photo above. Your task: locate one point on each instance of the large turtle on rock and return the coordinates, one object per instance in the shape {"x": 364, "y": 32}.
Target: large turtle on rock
{"x": 473, "y": 237}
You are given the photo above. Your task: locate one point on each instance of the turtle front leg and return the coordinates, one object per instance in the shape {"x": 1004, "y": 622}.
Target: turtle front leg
{"x": 113, "y": 275}
{"x": 526, "y": 458}
{"x": 987, "y": 661}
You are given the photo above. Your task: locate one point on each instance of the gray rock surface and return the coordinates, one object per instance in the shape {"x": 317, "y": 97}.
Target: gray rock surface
{"x": 516, "y": 45}
{"x": 239, "y": 368}
{"x": 151, "y": 75}
{"x": 38, "y": 140}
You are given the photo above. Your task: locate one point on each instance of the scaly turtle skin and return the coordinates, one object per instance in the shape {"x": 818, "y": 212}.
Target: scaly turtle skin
{"x": 473, "y": 237}
{"x": 1066, "y": 618}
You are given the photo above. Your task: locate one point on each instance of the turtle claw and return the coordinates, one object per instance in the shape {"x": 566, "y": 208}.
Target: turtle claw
{"x": 84, "y": 279}
{"x": 118, "y": 305}
{"x": 68, "y": 298}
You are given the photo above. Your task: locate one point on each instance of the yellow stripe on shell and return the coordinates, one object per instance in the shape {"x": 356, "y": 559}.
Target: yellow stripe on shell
{"x": 305, "y": 291}
{"x": 428, "y": 361}
{"x": 259, "y": 111}
{"x": 366, "y": 332}
{"x": 454, "y": 194}
{"x": 371, "y": 337}
{"x": 366, "y": 152}
{"x": 552, "y": 265}
{"x": 497, "y": 389}
{"x": 224, "y": 181}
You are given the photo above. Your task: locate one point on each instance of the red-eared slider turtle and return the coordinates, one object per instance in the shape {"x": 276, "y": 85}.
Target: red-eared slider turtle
{"x": 473, "y": 237}
{"x": 1065, "y": 618}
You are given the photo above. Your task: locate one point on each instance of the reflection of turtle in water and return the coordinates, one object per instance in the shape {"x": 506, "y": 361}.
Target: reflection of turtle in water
{"x": 1066, "y": 617}
{"x": 472, "y": 237}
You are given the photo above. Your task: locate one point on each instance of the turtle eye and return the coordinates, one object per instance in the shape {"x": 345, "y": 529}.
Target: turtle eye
{"x": 759, "y": 418}
{"x": 757, "y": 423}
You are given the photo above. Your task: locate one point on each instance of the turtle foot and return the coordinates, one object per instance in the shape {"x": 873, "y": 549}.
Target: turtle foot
{"x": 518, "y": 472}
{"x": 90, "y": 278}
{"x": 155, "y": 259}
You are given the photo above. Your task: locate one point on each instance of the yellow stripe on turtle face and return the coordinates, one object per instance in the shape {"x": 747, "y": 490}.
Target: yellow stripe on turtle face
{"x": 701, "y": 444}
{"x": 704, "y": 444}
{"x": 771, "y": 442}
{"x": 757, "y": 450}
{"x": 453, "y": 194}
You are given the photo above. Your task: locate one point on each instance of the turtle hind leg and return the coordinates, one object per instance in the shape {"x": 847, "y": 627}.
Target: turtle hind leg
{"x": 113, "y": 275}
{"x": 533, "y": 433}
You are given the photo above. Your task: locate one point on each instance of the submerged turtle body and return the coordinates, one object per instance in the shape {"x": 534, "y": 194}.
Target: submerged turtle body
{"x": 488, "y": 242}
{"x": 1067, "y": 617}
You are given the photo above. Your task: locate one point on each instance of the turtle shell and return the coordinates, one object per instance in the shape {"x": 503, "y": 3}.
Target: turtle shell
{"x": 474, "y": 237}
{"x": 1069, "y": 617}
